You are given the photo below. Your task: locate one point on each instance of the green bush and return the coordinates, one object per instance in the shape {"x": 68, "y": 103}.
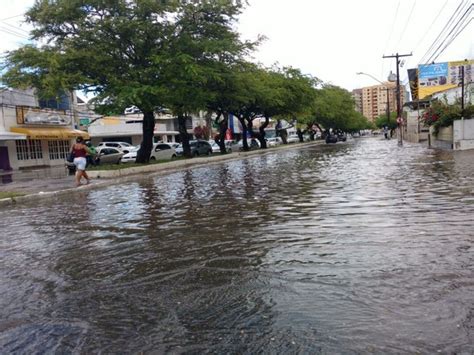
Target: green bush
{"x": 440, "y": 115}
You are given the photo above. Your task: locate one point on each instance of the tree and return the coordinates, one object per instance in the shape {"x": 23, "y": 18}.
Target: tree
{"x": 145, "y": 53}
{"x": 381, "y": 121}
{"x": 333, "y": 107}
{"x": 202, "y": 45}
{"x": 110, "y": 48}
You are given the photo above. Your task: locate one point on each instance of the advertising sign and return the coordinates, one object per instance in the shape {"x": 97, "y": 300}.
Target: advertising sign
{"x": 413, "y": 81}
{"x": 442, "y": 76}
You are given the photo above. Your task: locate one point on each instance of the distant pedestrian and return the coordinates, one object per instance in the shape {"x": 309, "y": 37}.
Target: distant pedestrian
{"x": 80, "y": 151}
{"x": 91, "y": 157}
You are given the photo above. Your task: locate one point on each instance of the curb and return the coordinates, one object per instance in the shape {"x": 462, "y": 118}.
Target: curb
{"x": 124, "y": 175}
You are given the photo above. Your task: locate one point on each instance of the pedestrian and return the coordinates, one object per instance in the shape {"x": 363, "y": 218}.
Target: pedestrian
{"x": 80, "y": 150}
{"x": 91, "y": 157}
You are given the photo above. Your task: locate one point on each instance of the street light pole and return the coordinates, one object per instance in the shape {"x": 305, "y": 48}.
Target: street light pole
{"x": 387, "y": 89}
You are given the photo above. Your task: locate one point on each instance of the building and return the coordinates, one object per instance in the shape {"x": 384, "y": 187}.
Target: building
{"x": 371, "y": 101}
{"x": 31, "y": 135}
{"x": 374, "y": 100}
{"x": 129, "y": 128}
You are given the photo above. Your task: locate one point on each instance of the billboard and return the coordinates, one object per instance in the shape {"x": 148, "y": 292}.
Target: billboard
{"x": 442, "y": 76}
{"x": 413, "y": 81}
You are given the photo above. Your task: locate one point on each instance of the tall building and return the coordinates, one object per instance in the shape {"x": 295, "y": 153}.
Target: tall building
{"x": 373, "y": 99}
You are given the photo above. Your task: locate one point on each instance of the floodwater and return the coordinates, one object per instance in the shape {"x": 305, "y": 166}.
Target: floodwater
{"x": 358, "y": 247}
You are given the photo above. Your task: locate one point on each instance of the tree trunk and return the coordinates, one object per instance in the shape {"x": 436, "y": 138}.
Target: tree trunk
{"x": 143, "y": 154}
{"x": 183, "y": 134}
{"x": 284, "y": 136}
{"x": 299, "y": 132}
{"x": 245, "y": 145}
{"x": 261, "y": 136}
{"x": 223, "y": 125}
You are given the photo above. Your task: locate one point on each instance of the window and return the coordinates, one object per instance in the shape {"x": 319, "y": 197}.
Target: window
{"x": 162, "y": 147}
{"x": 58, "y": 149}
{"x": 29, "y": 149}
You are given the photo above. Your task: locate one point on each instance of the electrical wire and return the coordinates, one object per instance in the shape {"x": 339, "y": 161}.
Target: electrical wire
{"x": 453, "y": 38}
{"x": 13, "y": 33}
{"x": 16, "y": 28}
{"x": 446, "y": 26}
{"x": 429, "y": 28}
{"x": 406, "y": 24}
{"x": 458, "y": 24}
{"x": 390, "y": 35}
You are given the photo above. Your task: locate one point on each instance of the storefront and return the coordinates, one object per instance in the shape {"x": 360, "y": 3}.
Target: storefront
{"x": 42, "y": 146}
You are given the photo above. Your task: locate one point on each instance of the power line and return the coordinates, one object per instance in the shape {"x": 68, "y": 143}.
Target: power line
{"x": 8, "y": 18}
{"x": 406, "y": 24}
{"x": 446, "y": 26}
{"x": 429, "y": 28}
{"x": 391, "y": 32}
{"x": 455, "y": 27}
{"x": 452, "y": 39}
{"x": 16, "y": 28}
{"x": 13, "y": 33}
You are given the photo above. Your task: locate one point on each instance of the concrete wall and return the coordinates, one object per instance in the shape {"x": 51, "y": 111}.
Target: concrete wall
{"x": 463, "y": 134}
{"x": 444, "y": 138}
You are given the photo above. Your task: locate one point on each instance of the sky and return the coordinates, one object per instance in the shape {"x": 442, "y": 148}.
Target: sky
{"x": 329, "y": 39}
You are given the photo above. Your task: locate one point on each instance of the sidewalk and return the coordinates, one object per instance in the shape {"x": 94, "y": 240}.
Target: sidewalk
{"x": 36, "y": 180}
{"x": 53, "y": 181}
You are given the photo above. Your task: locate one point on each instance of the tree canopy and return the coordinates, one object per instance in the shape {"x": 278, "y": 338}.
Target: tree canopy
{"x": 184, "y": 56}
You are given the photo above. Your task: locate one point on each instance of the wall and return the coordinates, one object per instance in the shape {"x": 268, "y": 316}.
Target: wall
{"x": 463, "y": 134}
{"x": 443, "y": 140}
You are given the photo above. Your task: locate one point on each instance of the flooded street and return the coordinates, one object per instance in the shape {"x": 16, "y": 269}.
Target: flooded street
{"x": 348, "y": 248}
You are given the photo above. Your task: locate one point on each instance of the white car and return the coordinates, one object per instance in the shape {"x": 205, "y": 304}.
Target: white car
{"x": 230, "y": 146}
{"x": 160, "y": 151}
{"x": 273, "y": 141}
{"x": 124, "y": 147}
{"x": 293, "y": 139}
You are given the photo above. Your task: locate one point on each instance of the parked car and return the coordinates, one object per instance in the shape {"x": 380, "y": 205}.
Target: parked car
{"x": 229, "y": 146}
{"x": 341, "y": 137}
{"x": 273, "y": 141}
{"x": 105, "y": 155}
{"x": 331, "y": 138}
{"x": 253, "y": 143}
{"x": 198, "y": 147}
{"x": 124, "y": 147}
{"x": 293, "y": 139}
{"x": 109, "y": 155}
{"x": 132, "y": 109}
{"x": 160, "y": 151}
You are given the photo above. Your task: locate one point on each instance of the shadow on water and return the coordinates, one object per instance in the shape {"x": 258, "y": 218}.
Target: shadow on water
{"x": 361, "y": 247}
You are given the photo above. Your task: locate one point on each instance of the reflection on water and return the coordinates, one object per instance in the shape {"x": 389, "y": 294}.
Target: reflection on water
{"x": 358, "y": 247}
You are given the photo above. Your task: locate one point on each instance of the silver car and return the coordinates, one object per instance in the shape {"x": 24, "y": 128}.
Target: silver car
{"x": 109, "y": 155}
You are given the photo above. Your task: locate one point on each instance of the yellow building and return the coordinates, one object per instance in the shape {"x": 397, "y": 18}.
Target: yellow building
{"x": 374, "y": 100}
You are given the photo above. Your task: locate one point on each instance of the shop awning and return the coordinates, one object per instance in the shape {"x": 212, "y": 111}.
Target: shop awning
{"x": 10, "y": 136}
{"x": 56, "y": 133}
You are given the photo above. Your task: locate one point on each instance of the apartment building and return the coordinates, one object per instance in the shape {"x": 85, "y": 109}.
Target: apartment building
{"x": 371, "y": 101}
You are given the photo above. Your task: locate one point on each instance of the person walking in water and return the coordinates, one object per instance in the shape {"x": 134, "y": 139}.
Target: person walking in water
{"x": 80, "y": 151}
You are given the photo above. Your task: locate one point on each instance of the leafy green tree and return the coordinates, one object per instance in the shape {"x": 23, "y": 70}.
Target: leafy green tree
{"x": 202, "y": 47}
{"x": 110, "y": 48}
{"x": 333, "y": 107}
{"x": 145, "y": 53}
{"x": 381, "y": 121}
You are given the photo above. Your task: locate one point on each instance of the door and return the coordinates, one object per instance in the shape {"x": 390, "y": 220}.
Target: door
{"x": 4, "y": 159}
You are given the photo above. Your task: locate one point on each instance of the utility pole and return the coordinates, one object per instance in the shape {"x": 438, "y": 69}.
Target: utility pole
{"x": 399, "y": 108}
{"x": 462, "y": 91}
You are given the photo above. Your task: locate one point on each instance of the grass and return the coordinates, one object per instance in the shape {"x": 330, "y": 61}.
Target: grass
{"x": 129, "y": 165}
{"x": 10, "y": 194}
